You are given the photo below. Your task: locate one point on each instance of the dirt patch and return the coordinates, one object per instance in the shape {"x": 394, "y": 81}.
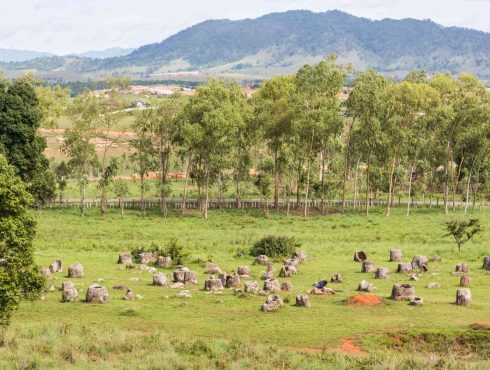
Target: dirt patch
{"x": 364, "y": 300}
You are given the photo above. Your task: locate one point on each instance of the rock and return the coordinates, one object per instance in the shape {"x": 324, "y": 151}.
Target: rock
{"x": 129, "y": 296}
{"x": 47, "y": 273}
{"x": 486, "y": 263}
{"x": 269, "y": 274}
{"x": 164, "y": 262}
{"x": 303, "y": 300}
{"x": 144, "y": 267}
{"x": 420, "y": 263}
{"x": 160, "y": 280}
{"x": 396, "y": 255}
{"x": 435, "y": 259}
{"x": 244, "y": 271}
{"x": 382, "y": 273}
{"x": 152, "y": 270}
{"x": 134, "y": 279}
{"x": 177, "y": 285}
{"x": 120, "y": 287}
{"x": 125, "y": 258}
{"x": 301, "y": 256}
{"x": 413, "y": 278}
{"x": 416, "y": 301}
{"x": 213, "y": 285}
{"x": 434, "y": 286}
{"x": 360, "y": 256}
{"x": 461, "y": 268}
{"x": 99, "y": 280}
{"x": 97, "y": 294}
{"x": 463, "y": 297}
{"x": 251, "y": 287}
{"x": 76, "y": 271}
{"x": 68, "y": 292}
{"x": 403, "y": 292}
{"x": 367, "y": 266}
{"x": 179, "y": 276}
{"x": 190, "y": 277}
{"x": 464, "y": 281}
{"x": 287, "y": 286}
{"x": 337, "y": 278}
{"x": 184, "y": 294}
{"x": 321, "y": 291}
{"x": 291, "y": 262}
{"x": 223, "y": 277}
{"x": 404, "y": 267}
{"x": 138, "y": 297}
{"x": 272, "y": 303}
{"x": 287, "y": 271}
{"x": 261, "y": 259}
{"x": 56, "y": 266}
{"x": 233, "y": 281}
{"x": 271, "y": 285}
{"x": 212, "y": 268}
{"x": 147, "y": 257}
{"x": 365, "y": 286}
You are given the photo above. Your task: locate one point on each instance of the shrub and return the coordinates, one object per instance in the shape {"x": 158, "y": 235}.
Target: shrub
{"x": 173, "y": 249}
{"x": 275, "y": 246}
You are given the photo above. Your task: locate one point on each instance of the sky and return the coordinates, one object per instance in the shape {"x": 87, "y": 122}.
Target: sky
{"x": 73, "y": 26}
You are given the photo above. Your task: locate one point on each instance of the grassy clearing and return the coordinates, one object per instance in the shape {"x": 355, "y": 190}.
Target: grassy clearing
{"x": 220, "y": 320}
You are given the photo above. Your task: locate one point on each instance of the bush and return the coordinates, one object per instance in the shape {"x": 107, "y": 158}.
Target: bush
{"x": 275, "y": 246}
{"x": 174, "y": 250}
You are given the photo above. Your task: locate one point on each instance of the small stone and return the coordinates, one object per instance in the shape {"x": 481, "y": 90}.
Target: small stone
{"x": 365, "y": 286}
{"x": 416, "y": 301}
{"x": 120, "y": 287}
{"x": 152, "y": 270}
{"x": 144, "y": 267}
{"x": 138, "y": 297}
{"x": 434, "y": 286}
{"x": 382, "y": 273}
{"x": 160, "y": 280}
{"x": 261, "y": 259}
{"x": 184, "y": 294}
{"x": 286, "y": 286}
{"x": 251, "y": 287}
{"x": 129, "y": 296}
{"x": 125, "y": 258}
{"x": 272, "y": 303}
{"x": 367, "y": 266}
{"x": 463, "y": 297}
{"x": 56, "y": 266}
{"x": 97, "y": 294}
{"x": 435, "y": 259}
{"x": 164, "y": 262}
{"x": 337, "y": 278}
{"x": 303, "y": 300}
{"x": 414, "y": 278}
{"x": 134, "y": 279}
{"x": 396, "y": 255}
{"x": 76, "y": 271}
{"x": 99, "y": 280}
{"x": 177, "y": 285}
{"x": 360, "y": 256}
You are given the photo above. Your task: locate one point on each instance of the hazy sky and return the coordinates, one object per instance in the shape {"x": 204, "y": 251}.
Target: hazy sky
{"x": 64, "y": 26}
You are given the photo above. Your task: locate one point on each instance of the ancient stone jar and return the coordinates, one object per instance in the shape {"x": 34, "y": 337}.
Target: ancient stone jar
{"x": 287, "y": 286}
{"x": 360, "y": 256}
{"x": 464, "y": 281}
{"x": 486, "y": 263}
{"x": 420, "y": 263}
{"x": 272, "y": 303}
{"x": 251, "y": 287}
{"x": 271, "y": 285}
{"x": 125, "y": 258}
{"x": 244, "y": 271}
{"x": 56, "y": 266}
{"x": 404, "y": 267}
{"x": 303, "y": 300}
{"x": 261, "y": 259}
{"x": 68, "y": 292}
{"x": 76, "y": 271}
{"x": 160, "y": 279}
{"x": 367, "y": 266}
{"x": 382, "y": 273}
{"x": 403, "y": 292}
{"x": 164, "y": 262}
{"x": 365, "y": 286}
{"x": 463, "y": 297}
{"x": 213, "y": 285}
{"x": 461, "y": 268}
{"x": 97, "y": 294}
{"x": 396, "y": 255}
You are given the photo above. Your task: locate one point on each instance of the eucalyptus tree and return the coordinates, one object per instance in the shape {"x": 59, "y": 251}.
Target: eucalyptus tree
{"x": 367, "y": 104}
{"x": 317, "y": 117}
{"x": 210, "y": 119}
{"x": 274, "y": 114}
{"x": 78, "y": 142}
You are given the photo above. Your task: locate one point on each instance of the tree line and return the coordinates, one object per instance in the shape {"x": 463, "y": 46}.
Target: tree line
{"x": 293, "y": 140}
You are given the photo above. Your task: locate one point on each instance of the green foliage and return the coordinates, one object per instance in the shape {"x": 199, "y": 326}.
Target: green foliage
{"x": 462, "y": 231}
{"x": 19, "y": 275}
{"x": 275, "y": 246}
{"x": 173, "y": 249}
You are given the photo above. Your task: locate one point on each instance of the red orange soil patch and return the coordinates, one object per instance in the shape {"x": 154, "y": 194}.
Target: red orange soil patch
{"x": 364, "y": 300}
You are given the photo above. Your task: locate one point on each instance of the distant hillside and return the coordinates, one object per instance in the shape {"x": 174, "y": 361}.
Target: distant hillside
{"x": 106, "y": 53}
{"x": 283, "y": 42}
{"x": 12, "y": 55}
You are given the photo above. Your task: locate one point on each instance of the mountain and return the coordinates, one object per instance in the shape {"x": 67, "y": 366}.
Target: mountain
{"x": 12, "y": 55}
{"x": 281, "y": 43}
{"x": 106, "y": 53}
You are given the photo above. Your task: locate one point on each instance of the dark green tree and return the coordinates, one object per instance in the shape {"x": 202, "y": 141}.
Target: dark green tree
{"x": 463, "y": 231}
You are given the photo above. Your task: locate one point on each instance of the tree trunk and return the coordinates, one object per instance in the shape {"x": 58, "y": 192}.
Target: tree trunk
{"x": 367, "y": 186}
{"x": 356, "y": 178}
{"x": 142, "y": 194}
{"x": 121, "y": 206}
{"x": 390, "y": 190}
{"x": 220, "y": 191}
{"x": 446, "y": 185}
{"x": 238, "y": 196}
{"x": 346, "y": 164}
{"x": 455, "y": 182}
{"x": 298, "y": 186}
{"x": 277, "y": 179}
{"x": 187, "y": 173}
{"x": 322, "y": 180}
{"x": 308, "y": 170}
{"x": 206, "y": 195}
{"x": 467, "y": 194}
{"x": 410, "y": 189}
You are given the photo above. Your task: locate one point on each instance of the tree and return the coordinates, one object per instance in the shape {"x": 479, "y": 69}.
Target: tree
{"x": 20, "y": 117}
{"x": 62, "y": 173}
{"x": 78, "y": 143}
{"x": 121, "y": 190}
{"x": 106, "y": 179}
{"x": 19, "y": 275}
{"x": 463, "y": 231}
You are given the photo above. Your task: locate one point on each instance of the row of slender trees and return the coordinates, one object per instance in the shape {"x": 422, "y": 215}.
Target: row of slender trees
{"x": 295, "y": 138}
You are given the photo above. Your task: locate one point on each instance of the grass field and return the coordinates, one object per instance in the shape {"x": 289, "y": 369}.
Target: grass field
{"x": 230, "y": 331}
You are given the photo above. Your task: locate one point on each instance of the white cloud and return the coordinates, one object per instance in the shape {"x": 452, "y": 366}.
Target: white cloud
{"x": 65, "y": 26}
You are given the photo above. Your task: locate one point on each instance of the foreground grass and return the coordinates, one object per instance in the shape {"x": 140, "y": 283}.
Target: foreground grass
{"x": 116, "y": 334}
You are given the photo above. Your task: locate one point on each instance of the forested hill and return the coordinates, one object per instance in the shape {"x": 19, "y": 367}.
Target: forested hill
{"x": 282, "y": 42}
